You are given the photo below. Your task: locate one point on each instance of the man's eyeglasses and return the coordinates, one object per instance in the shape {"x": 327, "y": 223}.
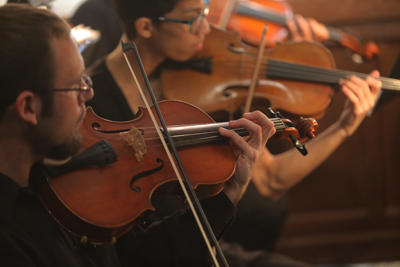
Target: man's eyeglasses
{"x": 195, "y": 23}
{"x": 84, "y": 87}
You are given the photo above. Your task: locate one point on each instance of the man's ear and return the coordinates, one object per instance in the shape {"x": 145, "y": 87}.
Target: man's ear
{"x": 144, "y": 27}
{"x": 28, "y": 107}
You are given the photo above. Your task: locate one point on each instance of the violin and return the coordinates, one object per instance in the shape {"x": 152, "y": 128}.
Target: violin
{"x": 107, "y": 188}
{"x": 295, "y": 78}
{"x": 250, "y": 16}
{"x": 249, "y": 27}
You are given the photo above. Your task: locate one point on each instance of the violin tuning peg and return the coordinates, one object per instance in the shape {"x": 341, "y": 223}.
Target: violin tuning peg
{"x": 279, "y": 114}
{"x": 272, "y": 113}
{"x": 298, "y": 145}
{"x": 357, "y": 59}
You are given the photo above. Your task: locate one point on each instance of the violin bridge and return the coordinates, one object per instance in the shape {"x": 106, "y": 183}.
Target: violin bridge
{"x": 136, "y": 141}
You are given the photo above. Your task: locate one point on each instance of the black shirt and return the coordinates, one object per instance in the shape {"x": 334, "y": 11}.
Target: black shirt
{"x": 29, "y": 236}
{"x": 108, "y": 101}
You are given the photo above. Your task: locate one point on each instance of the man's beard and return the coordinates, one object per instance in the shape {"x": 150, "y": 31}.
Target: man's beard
{"x": 70, "y": 147}
{"x": 45, "y": 141}
{"x": 67, "y": 149}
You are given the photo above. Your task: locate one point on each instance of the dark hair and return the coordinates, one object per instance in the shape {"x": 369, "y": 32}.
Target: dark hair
{"x": 18, "y": 1}
{"x": 130, "y": 10}
{"x": 26, "y": 57}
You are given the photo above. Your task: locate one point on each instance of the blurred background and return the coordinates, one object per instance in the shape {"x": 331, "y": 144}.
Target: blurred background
{"x": 64, "y": 8}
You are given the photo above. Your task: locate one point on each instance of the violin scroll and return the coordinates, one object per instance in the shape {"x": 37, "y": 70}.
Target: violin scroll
{"x": 368, "y": 50}
{"x": 371, "y": 49}
{"x": 306, "y": 128}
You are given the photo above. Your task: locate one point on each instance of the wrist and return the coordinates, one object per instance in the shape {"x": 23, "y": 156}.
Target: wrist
{"x": 342, "y": 129}
{"x": 234, "y": 192}
{"x": 350, "y": 122}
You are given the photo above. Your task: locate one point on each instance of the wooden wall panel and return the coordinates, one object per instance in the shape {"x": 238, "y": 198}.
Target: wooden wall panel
{"x": 348, "y": 209}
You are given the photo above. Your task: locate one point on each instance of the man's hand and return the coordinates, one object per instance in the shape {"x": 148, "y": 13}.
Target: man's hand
{"x": 361, "y": 97}
{"x": 248, "y": 151}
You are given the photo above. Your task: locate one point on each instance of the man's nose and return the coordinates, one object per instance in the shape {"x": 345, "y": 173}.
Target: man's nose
{"x": 88, "y": 95}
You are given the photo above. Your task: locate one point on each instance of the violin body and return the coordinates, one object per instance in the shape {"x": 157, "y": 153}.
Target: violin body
{"x": 99, "y": 200}
{"x": 250, "y": 16}
{"x": 250, "y": 28}
{"x": 100, "y": 203}
{"x": 223, "y": 91}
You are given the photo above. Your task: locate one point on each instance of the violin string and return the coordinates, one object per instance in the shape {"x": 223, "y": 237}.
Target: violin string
{"x": 151, "y": 139}
{"x": 112, "y": 138}
{"x": 156, "y": 138}
{"x": 116, "y": 141}
{"x": 310, "y": 69}
{"x": 118, "y": 148}
{"x": 289, "y": 70}
{"x": 125, "y": 132}
{"x": 176, "y": 142}
{"x": 247, "y": 68}
{"x": 268, "y": 65}
{"x": 277, "y": 122}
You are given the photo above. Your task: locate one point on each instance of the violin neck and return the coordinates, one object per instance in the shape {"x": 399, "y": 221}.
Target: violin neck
{"x": 255, "y": 10}
{"x": 207, "y": 133}
{"x": 335, "y": 34}
{"x": 258, "y": 11}
{"x": 291, "y": 71}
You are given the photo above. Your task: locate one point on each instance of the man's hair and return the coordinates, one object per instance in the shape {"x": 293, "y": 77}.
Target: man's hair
{"x": 18, "y": 1}
{"x": 26, "y": 57}
{"x": 129, "y": 11}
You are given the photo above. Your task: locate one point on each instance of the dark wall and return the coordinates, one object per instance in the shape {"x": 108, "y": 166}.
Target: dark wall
{"x": 348, "y": 209}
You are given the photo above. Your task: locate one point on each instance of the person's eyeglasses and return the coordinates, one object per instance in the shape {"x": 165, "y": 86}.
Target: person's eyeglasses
{"x": 84, "y": 87}
{"x": 195, "y": 23}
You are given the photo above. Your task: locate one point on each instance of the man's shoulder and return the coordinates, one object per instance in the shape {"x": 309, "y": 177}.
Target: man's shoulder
{"x": 29, "y": 236}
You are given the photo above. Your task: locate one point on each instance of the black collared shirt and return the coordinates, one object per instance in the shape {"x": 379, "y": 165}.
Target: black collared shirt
{"x": 29, "y": 236}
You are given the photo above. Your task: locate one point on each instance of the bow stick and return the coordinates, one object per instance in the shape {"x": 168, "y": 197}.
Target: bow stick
{"x": 190, "y": 195}
{"x": 256, "y": 71}
{"x": 226, "y": 13}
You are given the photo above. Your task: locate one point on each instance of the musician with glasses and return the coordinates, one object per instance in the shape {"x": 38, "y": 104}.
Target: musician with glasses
{"x": 42, "y": 106}
{"x": 100, "y": 15}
